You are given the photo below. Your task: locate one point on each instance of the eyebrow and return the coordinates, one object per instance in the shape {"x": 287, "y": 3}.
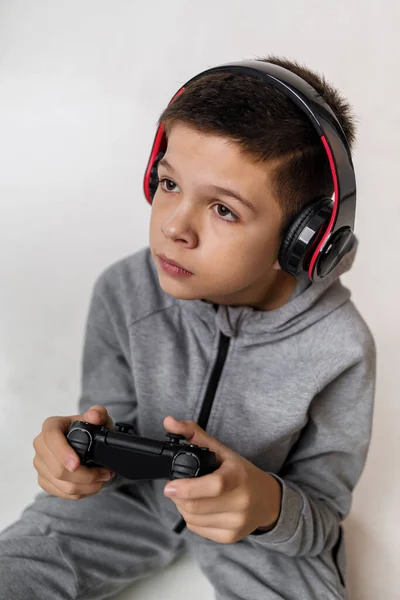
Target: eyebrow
{"x": 217, "y": 188}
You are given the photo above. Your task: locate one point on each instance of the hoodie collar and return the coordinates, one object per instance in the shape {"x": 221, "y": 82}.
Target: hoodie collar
{"x": 305, "y": 307}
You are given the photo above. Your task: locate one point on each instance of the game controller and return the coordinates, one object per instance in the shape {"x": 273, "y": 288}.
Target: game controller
{"x": 137, "y": 457}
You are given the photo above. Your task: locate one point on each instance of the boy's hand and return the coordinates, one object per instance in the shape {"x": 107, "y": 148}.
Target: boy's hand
{"x": 230, "y": 503}
{"x": 59, "y": 470}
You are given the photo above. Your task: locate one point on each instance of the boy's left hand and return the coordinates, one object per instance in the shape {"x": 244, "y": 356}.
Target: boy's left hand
{"x": 229, "y": 504}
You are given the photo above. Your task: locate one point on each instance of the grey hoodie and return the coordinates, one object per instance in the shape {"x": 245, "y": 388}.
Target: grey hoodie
{"x": 291, "y": 390}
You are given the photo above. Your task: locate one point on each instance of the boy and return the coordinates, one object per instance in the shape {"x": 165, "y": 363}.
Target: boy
{"x": 204, "y": 327}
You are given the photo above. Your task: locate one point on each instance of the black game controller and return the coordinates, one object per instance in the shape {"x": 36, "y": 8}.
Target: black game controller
{"x": 137, "y": 457}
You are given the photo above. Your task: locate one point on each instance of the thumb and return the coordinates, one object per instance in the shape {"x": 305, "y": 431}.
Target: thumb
{"x": 98, "y": 415}
{"x": 196, "y": 435}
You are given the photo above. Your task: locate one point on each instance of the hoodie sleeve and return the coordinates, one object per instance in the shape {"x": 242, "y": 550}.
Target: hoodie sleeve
{"x": 106, "y": 371}
{"x": 325, "y": 464}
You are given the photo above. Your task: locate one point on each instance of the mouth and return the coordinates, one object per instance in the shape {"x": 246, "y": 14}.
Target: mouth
{"x": 172, "y": 267}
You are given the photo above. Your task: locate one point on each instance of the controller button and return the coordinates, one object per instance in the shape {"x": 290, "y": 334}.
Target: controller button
{"x": 175, "y": 438}
{"x": 124, "y": 427}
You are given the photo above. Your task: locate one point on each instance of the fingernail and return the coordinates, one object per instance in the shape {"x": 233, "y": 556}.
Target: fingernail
{"x": 170, "y": 490}
{"x": 106, "y": 476}
{"x": 70, "y": 463}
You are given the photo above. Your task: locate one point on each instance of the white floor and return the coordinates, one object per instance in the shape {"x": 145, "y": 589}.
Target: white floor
{"x": 181, "y": 579}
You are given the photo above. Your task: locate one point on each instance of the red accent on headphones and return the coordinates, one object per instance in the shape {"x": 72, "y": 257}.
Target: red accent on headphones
{"x": 159, "y": 145}
{"x": 334, "y": 211}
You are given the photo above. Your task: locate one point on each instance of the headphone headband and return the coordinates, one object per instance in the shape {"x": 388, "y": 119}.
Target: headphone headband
{"x": 337, "y": 239}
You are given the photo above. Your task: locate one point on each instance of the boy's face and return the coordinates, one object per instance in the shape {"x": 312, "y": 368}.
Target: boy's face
{"x": 229, "y": 248}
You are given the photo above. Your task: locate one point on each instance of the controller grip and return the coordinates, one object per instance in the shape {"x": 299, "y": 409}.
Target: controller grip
{"x": 81, "y": 441}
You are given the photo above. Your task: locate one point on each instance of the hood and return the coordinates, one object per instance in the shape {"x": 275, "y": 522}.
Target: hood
{"x": 301, "y": 311}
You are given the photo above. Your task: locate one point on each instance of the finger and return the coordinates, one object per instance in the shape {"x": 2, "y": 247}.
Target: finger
{"x": 207, "y": 506}
{"x": 196, "y": 435}
{"x": 98, "y": 415}
{"x": 69, "y": 488}
{"x": 229, "y": 521}
{"x": 50, "y": 488}
{"x": 222, "y": 536}
{"x": 54, "y": 438}
{"x": 52, "y": 441}
{"x": 83, "y": 476}
{"x": 214, "y": 485}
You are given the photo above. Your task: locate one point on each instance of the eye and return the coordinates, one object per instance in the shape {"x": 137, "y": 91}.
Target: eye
{"x": 222, "y": 211}
{"x": 167, "y": 185}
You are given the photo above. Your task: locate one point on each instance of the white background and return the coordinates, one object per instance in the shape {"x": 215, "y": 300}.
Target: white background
{"x": 81, "y": 86}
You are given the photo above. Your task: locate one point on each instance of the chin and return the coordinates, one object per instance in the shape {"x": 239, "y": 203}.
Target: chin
{"x": 178, "y": 291}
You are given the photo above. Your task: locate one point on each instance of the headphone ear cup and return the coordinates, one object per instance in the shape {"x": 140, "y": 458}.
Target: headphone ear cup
{"x": 290, "y": 261}
{"x": 153, "y": 181}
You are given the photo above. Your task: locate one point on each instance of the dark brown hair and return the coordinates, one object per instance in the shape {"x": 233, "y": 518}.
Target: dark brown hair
{"x": 267, "y": 125}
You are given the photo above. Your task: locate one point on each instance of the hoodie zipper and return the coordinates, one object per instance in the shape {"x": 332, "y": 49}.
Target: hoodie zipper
{"x": 223, "y": 346}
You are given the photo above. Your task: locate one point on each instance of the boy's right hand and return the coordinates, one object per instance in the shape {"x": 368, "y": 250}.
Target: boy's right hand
{"x": 60, "y": 472}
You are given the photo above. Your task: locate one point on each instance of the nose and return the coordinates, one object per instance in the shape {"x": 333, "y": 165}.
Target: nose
{"x": 178, "y": 227}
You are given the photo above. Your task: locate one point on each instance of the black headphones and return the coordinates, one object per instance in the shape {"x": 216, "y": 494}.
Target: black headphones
{"x": 322, "y": 233}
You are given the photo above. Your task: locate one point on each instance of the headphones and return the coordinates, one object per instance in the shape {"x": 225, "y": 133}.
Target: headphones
{"x": 322, "y": 233}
